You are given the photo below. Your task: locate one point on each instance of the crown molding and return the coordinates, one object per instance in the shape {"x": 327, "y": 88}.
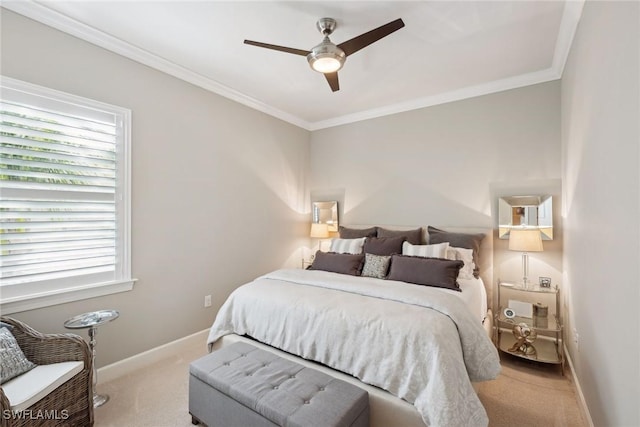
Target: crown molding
{"x": 568, "y": 25}
{"x": 57, "y": 20}
{"x": 443, "y": 98}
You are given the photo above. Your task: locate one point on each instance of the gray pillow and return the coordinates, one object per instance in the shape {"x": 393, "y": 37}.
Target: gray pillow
{"x": 376, "y": 266}
{"x": 383, "y": 245}
{"x": 13, "y": 362}
{"x": 437, "y": 272}
{"x": 459, "y": 240}
{"x": 355, "y": 233}
{"x": 338, "y": 263}
{"x": 413, "y": 236}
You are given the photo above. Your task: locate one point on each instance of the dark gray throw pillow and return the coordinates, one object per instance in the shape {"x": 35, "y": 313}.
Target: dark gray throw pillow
{"x": 413, "y": 236}
{"x": 383, "y": 245}
{"x": 338, "y": 263}
{"x": 437, "y": 272}
{"x": 356, "y": 233}
{"x": 459, "y": 240}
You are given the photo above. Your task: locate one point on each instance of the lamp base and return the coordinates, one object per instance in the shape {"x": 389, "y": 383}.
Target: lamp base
{"x": 525, "y": 270}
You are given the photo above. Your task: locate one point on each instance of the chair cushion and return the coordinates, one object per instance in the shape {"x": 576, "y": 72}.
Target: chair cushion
{"x": 28, "y": 388}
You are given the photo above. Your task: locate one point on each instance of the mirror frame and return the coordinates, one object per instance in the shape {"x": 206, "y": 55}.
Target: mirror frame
{"x": 541, "y": 205}
{"x": 326, "y": 213}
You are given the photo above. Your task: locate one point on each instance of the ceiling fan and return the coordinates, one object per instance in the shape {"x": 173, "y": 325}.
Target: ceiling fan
{"x": 327, "y": 57}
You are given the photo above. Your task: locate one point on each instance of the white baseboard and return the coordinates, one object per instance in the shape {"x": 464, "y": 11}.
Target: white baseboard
{"x": 583, "y": 403}
{"x": 146, "y": 358}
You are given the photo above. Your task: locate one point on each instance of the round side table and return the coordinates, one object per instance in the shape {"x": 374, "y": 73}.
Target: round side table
{"x": 92, "y": 320}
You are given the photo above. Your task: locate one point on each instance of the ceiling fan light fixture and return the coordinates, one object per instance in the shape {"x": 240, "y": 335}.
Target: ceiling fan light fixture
{"x": 326, "y": 57}
{"x": 328, "y": 64}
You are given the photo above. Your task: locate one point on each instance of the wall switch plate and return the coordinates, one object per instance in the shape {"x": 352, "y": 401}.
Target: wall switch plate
{"x": 207, "y": 301}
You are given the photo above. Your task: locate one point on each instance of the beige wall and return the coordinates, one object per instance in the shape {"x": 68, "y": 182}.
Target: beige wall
{"x": 217, "y": 202}
{"x": 447, "y": 165}
{"x": 219, "y": 189}
{"x": 600, "y": 140}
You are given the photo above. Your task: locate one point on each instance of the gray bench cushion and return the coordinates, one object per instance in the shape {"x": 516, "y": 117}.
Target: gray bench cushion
{"x": 280, "y": 390}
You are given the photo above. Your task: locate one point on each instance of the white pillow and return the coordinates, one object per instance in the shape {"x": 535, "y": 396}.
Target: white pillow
{"x": 462, "y": 254}
{"x": 438, "y": 250}
{"x": 347, "y": 246}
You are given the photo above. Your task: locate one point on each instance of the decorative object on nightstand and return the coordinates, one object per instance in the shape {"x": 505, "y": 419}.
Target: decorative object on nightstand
{"x": 537, "y": 337}
{"x": 522, "y": 309}
{"x": 525, "y": 336}
{"x": 525, "y": 240}
{"x": 540, "y": 310}
{"x": 540, "y": 315}
{"x": 545, "y": 282}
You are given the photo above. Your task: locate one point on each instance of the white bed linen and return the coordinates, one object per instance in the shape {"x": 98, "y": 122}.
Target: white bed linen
{"x": 386, "y": 410}
{"x": 419, "y": 343}
{"x": 474, "y": 295}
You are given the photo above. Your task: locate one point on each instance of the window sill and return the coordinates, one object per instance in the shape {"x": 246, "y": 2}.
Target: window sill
{"x": 46, "y": 299}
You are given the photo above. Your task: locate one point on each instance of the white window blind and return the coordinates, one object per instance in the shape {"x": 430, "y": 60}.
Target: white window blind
{"x": 63, "y": 202}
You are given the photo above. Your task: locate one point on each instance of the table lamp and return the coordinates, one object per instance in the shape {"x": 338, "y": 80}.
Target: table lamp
{"x": 319, "y": 231}
{"x": 525, "y": 240}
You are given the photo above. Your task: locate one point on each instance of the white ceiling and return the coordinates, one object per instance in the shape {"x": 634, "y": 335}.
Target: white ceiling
{"x": 448, "y": 50}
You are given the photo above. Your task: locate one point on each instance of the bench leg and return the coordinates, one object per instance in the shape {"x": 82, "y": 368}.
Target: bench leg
{"x": 194, "y": 420}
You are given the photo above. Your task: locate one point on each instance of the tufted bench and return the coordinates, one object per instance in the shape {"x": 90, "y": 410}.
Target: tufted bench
{"x": 241, "y": 385}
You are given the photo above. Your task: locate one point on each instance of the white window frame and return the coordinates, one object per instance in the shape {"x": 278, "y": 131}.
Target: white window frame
{"x": 35, "y": 295}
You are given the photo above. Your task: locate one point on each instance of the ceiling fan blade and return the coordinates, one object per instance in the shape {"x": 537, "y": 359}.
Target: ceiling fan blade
{"x": 280, "y": 48}
{"x": 332, "y": 78}
{"x": 363, "y": 40}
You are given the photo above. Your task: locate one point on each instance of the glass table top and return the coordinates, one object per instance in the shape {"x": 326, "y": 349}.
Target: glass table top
{"x": 93, "y": 318}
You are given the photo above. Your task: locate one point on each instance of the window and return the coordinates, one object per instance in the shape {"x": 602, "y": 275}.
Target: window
{"x": 64, "y": 198}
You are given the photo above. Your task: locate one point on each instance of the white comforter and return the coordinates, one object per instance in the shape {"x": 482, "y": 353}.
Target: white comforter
{"x": 419, "y": 344}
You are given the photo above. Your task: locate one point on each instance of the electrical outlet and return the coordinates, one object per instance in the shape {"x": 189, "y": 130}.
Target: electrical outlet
{"x": 207, "y": 301}
{"x": 576, "y": 338}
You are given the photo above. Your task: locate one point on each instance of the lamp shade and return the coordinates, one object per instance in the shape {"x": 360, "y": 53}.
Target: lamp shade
{"x": 525, "y": 240}
{"x": 319, "y": 231}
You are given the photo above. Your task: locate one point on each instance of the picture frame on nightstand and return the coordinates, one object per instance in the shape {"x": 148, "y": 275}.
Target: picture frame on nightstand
{"x": 545, "y": 282}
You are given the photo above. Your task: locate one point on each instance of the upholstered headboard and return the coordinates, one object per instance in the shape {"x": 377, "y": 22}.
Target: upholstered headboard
{"x": 485, "y": 255}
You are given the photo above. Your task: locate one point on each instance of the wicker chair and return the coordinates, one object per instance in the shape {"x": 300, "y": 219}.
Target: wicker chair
{"x": 75, "y": 396}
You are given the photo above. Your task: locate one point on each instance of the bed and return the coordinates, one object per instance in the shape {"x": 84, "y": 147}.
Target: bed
{"x": 371, "y": 332}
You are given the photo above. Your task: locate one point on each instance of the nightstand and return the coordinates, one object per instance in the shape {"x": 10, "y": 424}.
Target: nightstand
{"x": 534, "y": 334}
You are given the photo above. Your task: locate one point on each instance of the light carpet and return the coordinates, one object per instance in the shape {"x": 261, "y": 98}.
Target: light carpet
{"x": 525, "y": 394}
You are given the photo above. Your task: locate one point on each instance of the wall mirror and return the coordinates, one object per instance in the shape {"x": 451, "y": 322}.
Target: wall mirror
{"x": 326, "y": 213}
{"x": 525, "y": 211}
